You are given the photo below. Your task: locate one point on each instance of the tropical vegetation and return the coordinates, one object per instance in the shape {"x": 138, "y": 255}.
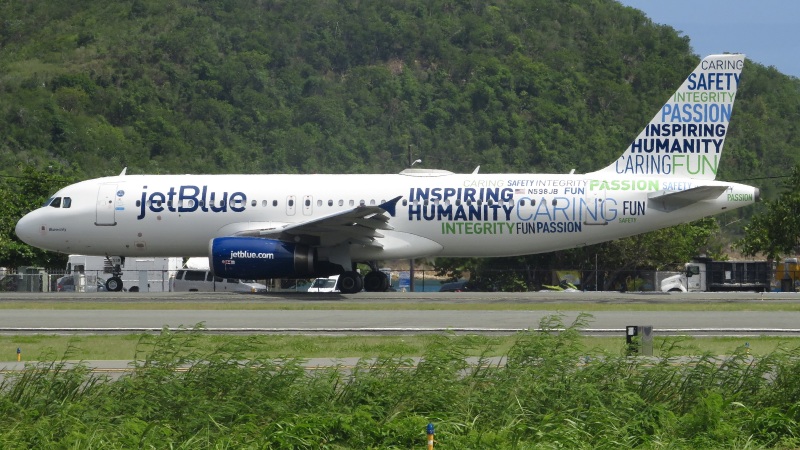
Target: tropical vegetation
{"x": 547, "y": 393}
{"x": 207, "y": 86}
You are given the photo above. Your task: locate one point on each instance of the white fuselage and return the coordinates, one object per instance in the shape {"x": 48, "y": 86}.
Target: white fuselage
{"x": 439, "y": 214}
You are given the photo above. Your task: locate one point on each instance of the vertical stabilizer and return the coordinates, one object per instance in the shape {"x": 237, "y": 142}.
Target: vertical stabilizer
{"x": 685, "y": 138}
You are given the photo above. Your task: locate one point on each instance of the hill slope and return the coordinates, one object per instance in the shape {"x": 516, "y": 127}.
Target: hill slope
{"x": 320, "y": 86}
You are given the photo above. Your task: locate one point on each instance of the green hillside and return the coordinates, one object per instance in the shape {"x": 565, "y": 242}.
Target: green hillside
{"x": 321, "y": 86}
{"x": 256, "y": 86}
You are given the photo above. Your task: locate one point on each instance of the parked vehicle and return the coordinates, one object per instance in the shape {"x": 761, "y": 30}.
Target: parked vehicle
{"x": 707, "y": 275}
{"x": 325, "y": 284}
{"x": 201, "y": 280}
{"x": 92, "y": 284}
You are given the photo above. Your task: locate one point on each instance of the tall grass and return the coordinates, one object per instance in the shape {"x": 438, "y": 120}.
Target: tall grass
{"x": 548, "y": 394}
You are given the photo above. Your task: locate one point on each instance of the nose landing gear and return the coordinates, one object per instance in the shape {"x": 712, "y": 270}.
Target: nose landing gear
{"x": 114, "y": 284}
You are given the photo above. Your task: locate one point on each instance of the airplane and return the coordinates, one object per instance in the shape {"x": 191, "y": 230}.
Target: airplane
{"x": 305, "y": 226}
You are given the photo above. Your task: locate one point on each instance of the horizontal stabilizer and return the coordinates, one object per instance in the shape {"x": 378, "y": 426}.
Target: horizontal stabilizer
{"x": 672, "y": 200}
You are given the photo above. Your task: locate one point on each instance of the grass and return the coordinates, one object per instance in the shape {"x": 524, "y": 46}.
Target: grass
{"x": 542, "y": 398}
{"x": 124, "y": 347}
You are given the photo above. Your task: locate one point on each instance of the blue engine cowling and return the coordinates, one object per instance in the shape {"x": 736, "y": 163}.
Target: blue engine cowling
{"x": 257, "y": 258}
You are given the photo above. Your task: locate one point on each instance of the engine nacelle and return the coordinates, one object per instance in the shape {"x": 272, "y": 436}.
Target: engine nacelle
{"x": 257, "y": 258}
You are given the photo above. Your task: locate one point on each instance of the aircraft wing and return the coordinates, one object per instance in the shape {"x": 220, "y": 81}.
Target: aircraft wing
{"x": 359, "y": 225}
{"x": 672, "y": 200}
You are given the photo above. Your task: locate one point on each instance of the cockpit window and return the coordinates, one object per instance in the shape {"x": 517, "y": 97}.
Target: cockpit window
{"x": 58, "y": 202}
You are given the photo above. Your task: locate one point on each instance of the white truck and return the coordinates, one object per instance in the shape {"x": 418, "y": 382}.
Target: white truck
{"x": 137, "y": 274}
{"x": 707, "y": 275}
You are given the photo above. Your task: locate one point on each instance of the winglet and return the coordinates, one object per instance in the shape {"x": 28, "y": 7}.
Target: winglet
{"x": 390, "y": 206}
{"x": 685, "y": 137}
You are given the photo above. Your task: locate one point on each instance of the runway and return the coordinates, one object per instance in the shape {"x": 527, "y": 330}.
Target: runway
{"x": 327, "y": 317}
{"x": 403, "y": 314}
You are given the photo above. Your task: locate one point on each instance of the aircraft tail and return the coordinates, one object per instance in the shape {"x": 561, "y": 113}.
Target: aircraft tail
{"x": 685, "y": 137}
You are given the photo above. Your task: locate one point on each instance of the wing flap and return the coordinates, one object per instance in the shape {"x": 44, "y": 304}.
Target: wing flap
{"x": 668, "y": 201}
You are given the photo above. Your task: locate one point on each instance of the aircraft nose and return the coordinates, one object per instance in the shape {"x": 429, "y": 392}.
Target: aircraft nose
{"x": 28, "y": 229}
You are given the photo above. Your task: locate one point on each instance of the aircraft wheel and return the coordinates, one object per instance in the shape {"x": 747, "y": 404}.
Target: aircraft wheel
{"x": 114, "y": 284}
{"x": 376, "y": 281}
{"x": 350, "y": 282}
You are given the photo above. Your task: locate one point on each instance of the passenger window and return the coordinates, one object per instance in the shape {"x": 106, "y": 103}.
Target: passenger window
{"x": 341, "y": 202}
{"x": 264, "y": 203}
{"x": 67, "y": 202}
{"x": 218, "y": 279}
{"x": 274, "y": 203}
{"x": 253, "y": 203}
{"x": 330, "y": 202}
{"x": 232, "y": 280}
{"x": 352, "y": 203}
{"x": 319, "y": 202}
{"x": 56, "y": 203}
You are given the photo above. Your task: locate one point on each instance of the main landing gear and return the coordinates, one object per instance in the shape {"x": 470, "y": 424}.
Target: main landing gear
{"x": 351, "y": 282}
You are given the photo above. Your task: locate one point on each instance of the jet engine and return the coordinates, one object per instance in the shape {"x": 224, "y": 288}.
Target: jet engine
{"x": 258, "y": 258}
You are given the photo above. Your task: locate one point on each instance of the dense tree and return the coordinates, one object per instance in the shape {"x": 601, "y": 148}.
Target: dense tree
{"x": 310, "y": 87}
{"x": 775, "y": 231}
{"x": 19, "y": 195}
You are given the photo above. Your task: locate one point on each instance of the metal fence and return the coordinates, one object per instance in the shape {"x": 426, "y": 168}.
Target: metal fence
{"x": 32, "y": 279}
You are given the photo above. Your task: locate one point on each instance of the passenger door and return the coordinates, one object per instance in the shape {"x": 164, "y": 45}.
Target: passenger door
{"x": 106, "y": 195}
